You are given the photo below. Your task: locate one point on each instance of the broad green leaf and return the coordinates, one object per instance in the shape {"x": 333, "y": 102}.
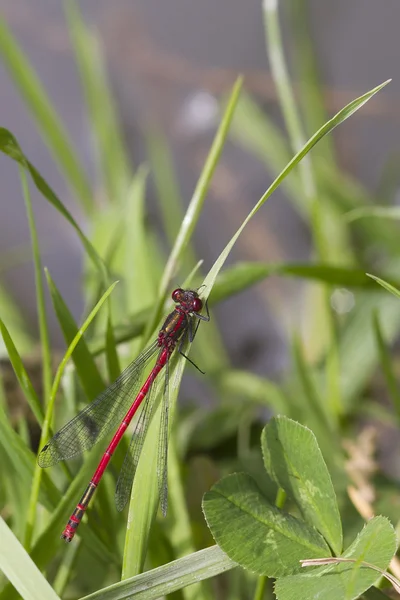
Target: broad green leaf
{"x": 47, "y": 120}
{"x": 85, "y": 365}
{"x": 20, "y": 569}
{"x": 256, "y": 534}
{"x": 293, "y": 459}
{"x": 376, "y": 544}
{"x": 168, "y": 578}
{"x": 10, "y": 146}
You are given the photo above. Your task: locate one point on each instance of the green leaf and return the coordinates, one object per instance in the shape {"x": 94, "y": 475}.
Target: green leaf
{"x": 256, "y": 534}
{"x": 376, "y": 544}
{"x": 20, "y": 569}
{"x": 293, "y": 459}
{"x": 85, "y": 365}
{"x": 47, "y": 120}
{"x": 168, "y": 578}
{"x": 10, "y": 146}
{"x": 393, "y": 290}
{"x": 39, "y": 288}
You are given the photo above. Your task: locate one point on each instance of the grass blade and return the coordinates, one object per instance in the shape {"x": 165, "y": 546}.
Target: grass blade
{"x": 40, "y": 302}
{"x": 168, "y": 578}
{"x": 46, "y": 118}
{"x": 196, "y": 203}
{"x": 20, "y": 569}
{"x": 50, "y": 407}
{"x": 339, "y": 118}
{"x": 10, "y": 146}
{"x": 114, "y": 165}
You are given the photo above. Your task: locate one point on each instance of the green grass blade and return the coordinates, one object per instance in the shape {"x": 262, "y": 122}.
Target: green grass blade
{"x": 40, "y": 301}
{"x": 20, "y": 569}
{"x": 21, "y": 374}
{"x": 114, "y": 165}
{"x": 377, "y": 212}
{"x": 389, "y": 287}
{"x": 49, "y": 412}
{"x": 386, "y": 365}
{"x": 85, "y": 365}
{"x": 196, "y": 203}
{"x": 341, "y": 116}
{"x": 10, "y": 146}
{"x": 171, "y": 577}
{"x": 46, "y": 118}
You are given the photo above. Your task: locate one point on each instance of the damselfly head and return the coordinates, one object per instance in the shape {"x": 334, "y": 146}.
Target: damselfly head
{"x": 189, "y": 299}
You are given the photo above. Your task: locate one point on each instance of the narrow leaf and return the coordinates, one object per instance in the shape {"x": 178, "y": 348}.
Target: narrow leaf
{"x": 20, "y": 569}
{"x": 168, "y": 578}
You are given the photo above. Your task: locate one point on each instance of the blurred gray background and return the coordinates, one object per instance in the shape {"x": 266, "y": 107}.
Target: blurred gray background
{"x": 170, "y": 59}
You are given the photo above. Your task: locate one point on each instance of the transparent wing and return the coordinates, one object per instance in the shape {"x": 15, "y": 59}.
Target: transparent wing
{"x": 98, "y": 418}
{"x": 131, "y": 460}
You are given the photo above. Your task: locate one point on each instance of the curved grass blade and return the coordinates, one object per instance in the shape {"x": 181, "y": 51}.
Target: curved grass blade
{"x": 169, "y": 578}
{"x": 10, "y": 146}
{"x": 341, "y": 116}
{"x": 47, "y": 120}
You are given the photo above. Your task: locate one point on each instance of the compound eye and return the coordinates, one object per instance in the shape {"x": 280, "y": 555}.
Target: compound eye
{"x": 177, "y": 295}
{"x": 197, "y": 304}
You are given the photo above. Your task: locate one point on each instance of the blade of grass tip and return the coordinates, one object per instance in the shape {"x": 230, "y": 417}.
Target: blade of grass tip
{"x": 9, "y": 145}
{"x": 169, "y": 578}
{"x": 306, "y": 58}
{"x": 386, "y": 364}
{"x": 47, "y": 120}
{"x": 390, "y": 288}
{"x": 40, "y": 302}
{"x": 114, "y": 163}
{"x": 341, "y": 116}
{"x": 49, "y": 413}
{"x": 20, "y": 569}
{"x": 196, "y": 204}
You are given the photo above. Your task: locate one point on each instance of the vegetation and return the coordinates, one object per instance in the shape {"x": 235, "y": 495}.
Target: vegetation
{"x": 301, "y": 493}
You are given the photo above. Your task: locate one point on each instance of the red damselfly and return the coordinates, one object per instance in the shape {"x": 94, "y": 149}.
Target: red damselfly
{"x": 119, "y": 403}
